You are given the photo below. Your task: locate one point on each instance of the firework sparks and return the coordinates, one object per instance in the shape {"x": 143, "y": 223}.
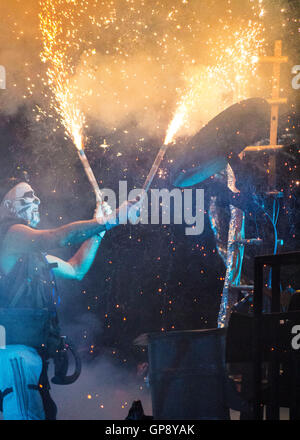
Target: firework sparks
{"x": 205, "y": 85}
{"x": 176, "y": 123}
{"x": 230, "y": 74}
{"x": 75, "y": 80}
{"x": 60, "y": 70}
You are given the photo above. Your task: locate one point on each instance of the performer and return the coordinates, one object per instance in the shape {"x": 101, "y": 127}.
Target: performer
{"x": 27, "y": 280}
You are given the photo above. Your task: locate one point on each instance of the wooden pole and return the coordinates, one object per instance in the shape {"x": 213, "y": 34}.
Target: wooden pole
{"x": 274, "y": 112}
{"x": 90, "y": 175}
{"x": 154, "y": 168}
{"x": 274, "y": 101}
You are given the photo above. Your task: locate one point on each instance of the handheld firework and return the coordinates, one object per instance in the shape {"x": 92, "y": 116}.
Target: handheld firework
{"x": 173, "y": 127}
{"x": 65, "y": 101}
{"x": 90, "y": 175}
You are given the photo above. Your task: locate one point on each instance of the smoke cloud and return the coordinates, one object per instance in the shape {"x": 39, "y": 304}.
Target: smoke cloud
{"x": 102, "y": 392}
{"x": 133, "y": 61}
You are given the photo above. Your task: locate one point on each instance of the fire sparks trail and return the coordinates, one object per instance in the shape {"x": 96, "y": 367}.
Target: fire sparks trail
{"x": 205, "y": 86}
{"x": 101, "y": 82}
{"x": 60, "y": 71}
{"x": 230, "y": 73}
{"x": 238, "y": 59}
{"x": 174, "y": 126}
{"x": 176, "y": 123}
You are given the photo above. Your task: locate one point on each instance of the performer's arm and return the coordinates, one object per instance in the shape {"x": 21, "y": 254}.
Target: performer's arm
{"x": 22, "y": 239}
{"x": 78, "y": 266}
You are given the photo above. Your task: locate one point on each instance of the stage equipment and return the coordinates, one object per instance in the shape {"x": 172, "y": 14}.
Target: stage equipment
{"x": 229, "y": 246}
{"x": 215, "y": 148}
{"x": 61, "y": 362}
{"x": 265, "y": 339}
{"x": 187, "y": 375}
{"x": 274, "y": 101}
{"x": 275, "y": 262}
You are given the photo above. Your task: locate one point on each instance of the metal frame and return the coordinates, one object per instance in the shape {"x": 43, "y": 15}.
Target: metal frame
{"x": 275, "y": 262}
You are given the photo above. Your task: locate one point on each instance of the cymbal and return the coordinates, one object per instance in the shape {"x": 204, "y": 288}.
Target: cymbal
{"x": 232, "y": 130}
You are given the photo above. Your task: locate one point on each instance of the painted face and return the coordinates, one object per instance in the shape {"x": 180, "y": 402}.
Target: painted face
{"x": 21, "y": 202}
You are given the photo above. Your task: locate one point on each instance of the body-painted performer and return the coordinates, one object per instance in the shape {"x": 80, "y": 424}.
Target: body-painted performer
{"x": 27, "y": 280}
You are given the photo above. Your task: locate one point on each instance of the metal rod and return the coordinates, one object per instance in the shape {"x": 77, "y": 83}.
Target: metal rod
{"x": 273, "y": 409}
{"x": 275, "y": 305}
{"x": 256, "y": 341}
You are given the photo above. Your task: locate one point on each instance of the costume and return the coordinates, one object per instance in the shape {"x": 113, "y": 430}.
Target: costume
{"x": 24, "y": 385}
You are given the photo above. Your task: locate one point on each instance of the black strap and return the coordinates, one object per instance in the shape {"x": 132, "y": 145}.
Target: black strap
{"x": 5, "y": 392}
{"x": 2, "y": 395}
{"x": 52, "y": 265}
{"x": 10, "y": 390}
{"x": 34, "y": 387}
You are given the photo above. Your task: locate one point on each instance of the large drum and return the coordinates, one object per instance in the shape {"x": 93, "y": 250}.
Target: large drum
{"x": 187, "y": 374}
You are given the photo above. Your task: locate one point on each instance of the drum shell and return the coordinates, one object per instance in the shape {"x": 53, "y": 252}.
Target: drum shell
{"x": 187, "y": 375}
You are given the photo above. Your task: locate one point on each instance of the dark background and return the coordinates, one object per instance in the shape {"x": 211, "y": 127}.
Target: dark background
{"x": 145, "y": 278}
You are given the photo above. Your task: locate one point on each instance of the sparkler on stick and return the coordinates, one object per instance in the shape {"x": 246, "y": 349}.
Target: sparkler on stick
{"x": 173, "y": 127}
{"x": 63, "y": 40}
{"x": 154, "y": 168}
{"x": 73, "y": 120}
{"x": 90, "y": 175}
{"x": 65, "y": 102}
{"x": 195, "y": 94}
